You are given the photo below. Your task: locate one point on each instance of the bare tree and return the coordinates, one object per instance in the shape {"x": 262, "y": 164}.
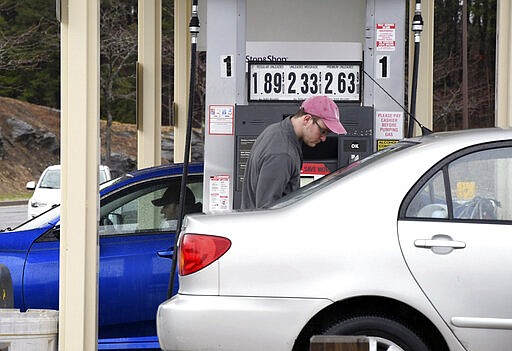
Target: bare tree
{"x": 118, "y": 49}
{"x": 448, "y": 95}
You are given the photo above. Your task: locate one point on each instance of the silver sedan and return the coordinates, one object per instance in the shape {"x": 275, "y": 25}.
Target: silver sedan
{"x": 411, "y": 247}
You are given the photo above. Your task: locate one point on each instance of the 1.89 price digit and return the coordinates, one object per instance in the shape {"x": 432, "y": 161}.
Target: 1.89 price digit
{"x": 272, "y": 82}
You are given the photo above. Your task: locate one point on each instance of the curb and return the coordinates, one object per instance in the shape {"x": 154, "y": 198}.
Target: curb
{"x": 13, "y": 202}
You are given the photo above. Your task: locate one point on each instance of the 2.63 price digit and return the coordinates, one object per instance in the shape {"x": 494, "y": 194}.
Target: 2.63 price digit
{"x": 343, "y": 83}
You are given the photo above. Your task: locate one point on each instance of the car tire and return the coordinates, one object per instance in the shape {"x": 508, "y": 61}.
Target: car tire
{"x": 386, "y": 333}
{"x": 6, "y": 292}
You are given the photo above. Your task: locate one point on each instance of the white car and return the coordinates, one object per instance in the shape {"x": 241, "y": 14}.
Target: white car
{"x": 411, "y": 247}
{"x": 47, "y": 190}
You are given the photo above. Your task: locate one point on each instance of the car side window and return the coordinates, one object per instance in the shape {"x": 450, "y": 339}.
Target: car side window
{"x": 475, "y": 186}
{"x": 141, "y": 208}
{"x": 430, "y": 201}
{"x": 480, "y": 185}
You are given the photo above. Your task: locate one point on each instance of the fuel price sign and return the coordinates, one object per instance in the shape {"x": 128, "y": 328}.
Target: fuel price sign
{"x": 290, "y": 81}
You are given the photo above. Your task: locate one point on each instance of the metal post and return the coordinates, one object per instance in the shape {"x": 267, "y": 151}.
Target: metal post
{"x": 194, "y": 31}
{"x": 417, "y": 28}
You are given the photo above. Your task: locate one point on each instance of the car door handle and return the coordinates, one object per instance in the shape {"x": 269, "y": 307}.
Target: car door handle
{"x": 169, "y": 253}
{"x": 439, "y": 241}
{"x": 430, "y": 243}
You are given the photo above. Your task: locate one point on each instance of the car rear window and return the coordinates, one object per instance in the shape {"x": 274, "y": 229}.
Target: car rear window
{"x": 339, "y": 173}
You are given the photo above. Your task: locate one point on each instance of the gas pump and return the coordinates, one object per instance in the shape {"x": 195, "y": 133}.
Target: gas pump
{"x": 337, "y": 151}
{"x": 277, "y": 83}
{"x": 257, "y": 76}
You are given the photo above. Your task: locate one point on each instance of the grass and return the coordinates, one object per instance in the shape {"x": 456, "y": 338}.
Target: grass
{"x": 16, "y": 196}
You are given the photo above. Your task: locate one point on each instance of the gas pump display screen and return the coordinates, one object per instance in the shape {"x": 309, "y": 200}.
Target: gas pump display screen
{"x": 291, "y": 81}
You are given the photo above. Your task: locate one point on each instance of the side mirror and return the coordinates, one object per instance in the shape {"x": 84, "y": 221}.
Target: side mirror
{"x": 31, "y": 185}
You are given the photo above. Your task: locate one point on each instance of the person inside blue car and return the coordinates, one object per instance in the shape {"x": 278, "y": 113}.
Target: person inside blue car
{"x": 170, "y": 202}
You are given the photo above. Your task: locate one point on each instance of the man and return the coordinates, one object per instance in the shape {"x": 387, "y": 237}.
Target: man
{"x": 273, "y": 168}
{"x": 170, "y": 203}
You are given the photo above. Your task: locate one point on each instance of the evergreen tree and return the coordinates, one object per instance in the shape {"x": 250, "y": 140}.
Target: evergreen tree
{"x": 29, "y": 51}
{"x": 448, "y": 63}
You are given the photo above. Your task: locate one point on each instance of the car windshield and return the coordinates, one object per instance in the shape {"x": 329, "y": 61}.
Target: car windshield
{"x": 41, "y": 220}
{"x": 48, "y": 216}
{"x": 51, "y": 179}
{"x": 338, "y": 174}
{"x": 103, "y": 176}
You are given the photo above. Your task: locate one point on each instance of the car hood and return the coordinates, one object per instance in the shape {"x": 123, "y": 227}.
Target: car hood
{"x": 48, "y": 196}
{"x": 21, "y": 239}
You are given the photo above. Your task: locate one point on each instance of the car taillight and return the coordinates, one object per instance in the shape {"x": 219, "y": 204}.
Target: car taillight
{"x": 198, "y": 251}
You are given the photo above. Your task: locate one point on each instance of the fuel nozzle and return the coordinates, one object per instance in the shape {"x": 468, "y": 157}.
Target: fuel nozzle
{"x": 194, "y": 23}
{"x": 417, "y": 21}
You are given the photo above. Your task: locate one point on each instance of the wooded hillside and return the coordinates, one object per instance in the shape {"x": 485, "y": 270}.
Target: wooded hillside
{"x": 29, "y": 59}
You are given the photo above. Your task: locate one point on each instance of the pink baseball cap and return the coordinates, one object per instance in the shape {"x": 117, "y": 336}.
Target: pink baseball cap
{"x": 326, "y": 109}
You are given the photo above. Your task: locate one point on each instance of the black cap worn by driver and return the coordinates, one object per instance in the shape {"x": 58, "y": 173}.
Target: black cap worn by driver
{"x": 172, "y": 195}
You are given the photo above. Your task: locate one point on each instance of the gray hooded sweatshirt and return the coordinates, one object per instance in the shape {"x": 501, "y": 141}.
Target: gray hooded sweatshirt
{"x": 273, "y": 168}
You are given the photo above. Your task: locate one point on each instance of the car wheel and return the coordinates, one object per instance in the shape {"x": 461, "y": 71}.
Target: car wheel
{"x": 384, "y": 334}
{"x": 6, "y": 292}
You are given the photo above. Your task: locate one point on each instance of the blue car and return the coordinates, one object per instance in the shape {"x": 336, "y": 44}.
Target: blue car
{"x": 134, "y": 267}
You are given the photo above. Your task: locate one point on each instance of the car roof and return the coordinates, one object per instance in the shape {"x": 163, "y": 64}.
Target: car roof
{"x": 440, "y": 143}
{"x": 151, "y": 173}
{"x": 146, "y": 173}
{"x": 53, "y": 167}
{"x": 467, "y": 136}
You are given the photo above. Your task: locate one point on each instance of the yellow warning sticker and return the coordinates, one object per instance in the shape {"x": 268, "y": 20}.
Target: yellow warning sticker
{"x": 466, "y": 190}
{"x": 381, "y": 144}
